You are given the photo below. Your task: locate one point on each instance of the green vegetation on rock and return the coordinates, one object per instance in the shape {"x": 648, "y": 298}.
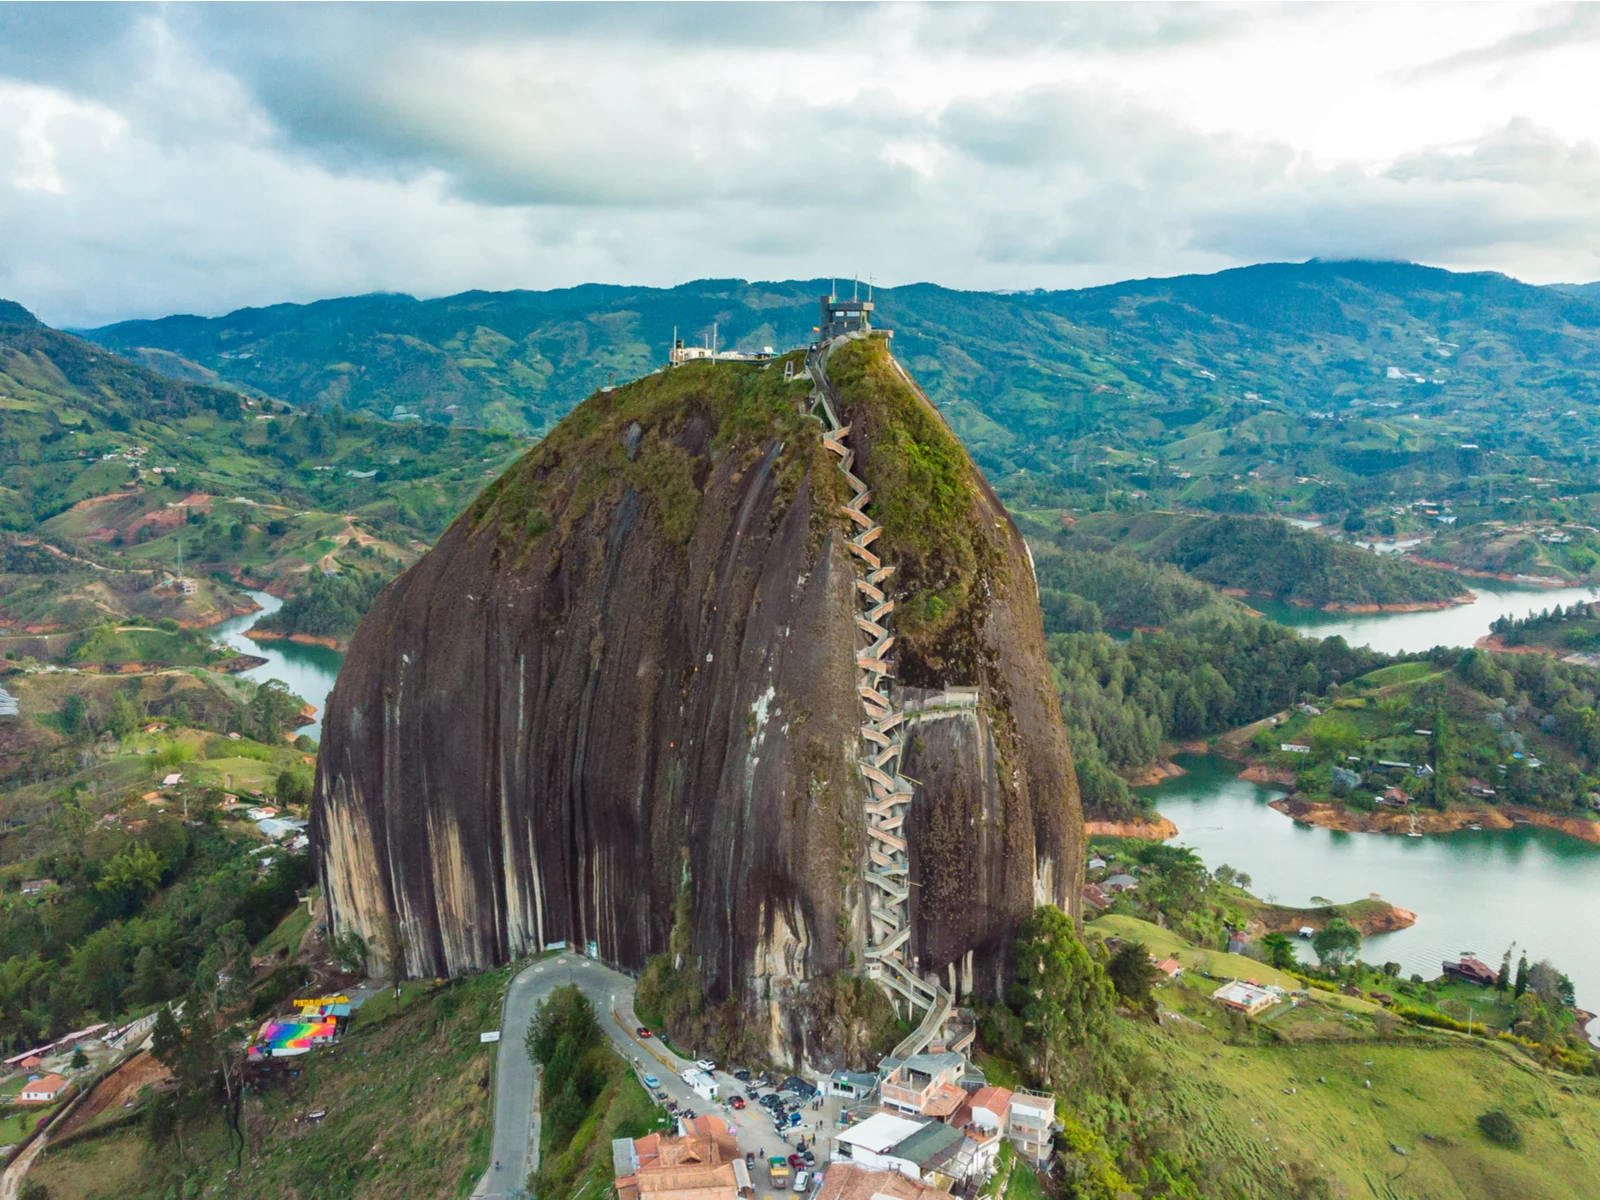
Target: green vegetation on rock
{"x": 924, "y": 492}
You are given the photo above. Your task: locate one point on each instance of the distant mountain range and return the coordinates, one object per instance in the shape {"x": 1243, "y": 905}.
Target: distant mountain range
{"x": 1340, "y": 370}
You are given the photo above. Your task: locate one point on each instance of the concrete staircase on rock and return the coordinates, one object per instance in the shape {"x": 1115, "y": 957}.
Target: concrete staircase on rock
{"x": 888, "y": 795}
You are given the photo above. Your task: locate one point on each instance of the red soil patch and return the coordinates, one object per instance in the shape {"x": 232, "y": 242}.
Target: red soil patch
{"x": 116, "y": 1090}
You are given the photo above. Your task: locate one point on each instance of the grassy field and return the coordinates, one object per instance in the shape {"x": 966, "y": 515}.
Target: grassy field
{"x": 1410, "y": 672}
{"x": 288, "y": 933}
{"x": 15, "y": 1126}
{"x": 1390, "y": 1120}
{"x": 1335, "y": 1090}
{"x": 409, "y": 1106}
{"x": 1222, "y": 966}
{"x": 1023, "y": 1183}
{"x": 385, "y": 1005}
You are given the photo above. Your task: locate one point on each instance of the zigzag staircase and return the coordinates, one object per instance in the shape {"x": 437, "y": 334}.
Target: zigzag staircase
{"x": 887, "y": 870}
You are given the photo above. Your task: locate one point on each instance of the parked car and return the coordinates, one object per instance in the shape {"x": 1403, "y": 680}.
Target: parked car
{"x": 642, "y": 1032}
{"x": 705, "y": 1064}
{"x": 794, "y": 1118}
{"x": 742, "y": 1075}
{"x": 796, "y": 1162}
{"x": 802, "y": 1181}
{"x": 651, "y": 1082}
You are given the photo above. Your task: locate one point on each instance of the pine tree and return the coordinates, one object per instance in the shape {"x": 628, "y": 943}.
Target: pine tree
{"x": 1522, "y": 976}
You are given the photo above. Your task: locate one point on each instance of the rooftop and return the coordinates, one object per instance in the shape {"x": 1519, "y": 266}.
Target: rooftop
{"x": 932, "y": 1064}
{"x": 931, "y": 1143}
{"x": 994, "y": 1099}
{"x": 846, "y": 1181}
{"x": 879, "y": 1132}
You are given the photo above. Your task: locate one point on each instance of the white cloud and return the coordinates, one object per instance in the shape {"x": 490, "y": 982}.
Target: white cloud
{"x": 196, "y": 159}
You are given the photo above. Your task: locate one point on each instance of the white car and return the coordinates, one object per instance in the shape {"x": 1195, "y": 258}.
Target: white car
{"x": 706, "y": 1065}
{"x": 802, "y": 1181}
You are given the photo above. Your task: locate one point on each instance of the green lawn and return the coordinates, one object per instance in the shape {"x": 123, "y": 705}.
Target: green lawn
{"x": 1409, "y": 672}
{"x": 409, "y": 1104}
{"x": 288, "y": 933}
{"x": 1023, "y": 1183}
{"x": 384, "y": 1005}
{"x": 1163, "y": 943}
{"x": 16, "y": 1126}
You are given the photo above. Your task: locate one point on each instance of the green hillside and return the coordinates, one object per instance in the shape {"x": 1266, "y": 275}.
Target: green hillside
{"x": 1332, "y": 381}
{"x": 1266, "y": 558}
{"x": 119, "y": 471}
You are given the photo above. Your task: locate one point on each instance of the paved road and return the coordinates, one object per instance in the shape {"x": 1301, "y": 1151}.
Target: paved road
{"x": 11, "y": 1181}
{"x": 514, "y": 1151}
{"x": 611, "y": 993}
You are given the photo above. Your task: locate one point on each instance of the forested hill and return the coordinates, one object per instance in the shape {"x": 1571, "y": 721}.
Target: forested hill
{"x": 1349, "y": 368}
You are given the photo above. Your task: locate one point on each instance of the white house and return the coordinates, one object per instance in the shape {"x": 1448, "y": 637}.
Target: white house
{"x": 869, "y": 1143}
{"x": 703, "y": 1084}
{"x": 42, "y": 1091}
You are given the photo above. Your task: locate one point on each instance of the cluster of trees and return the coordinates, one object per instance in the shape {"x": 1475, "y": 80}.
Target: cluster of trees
{"x": 1122, "y": 700}
{"x": 332, "y": 607}
{"x": 1517, "y": 631}
{"x": 1533, "y": 695}
{"x": 133, "y": 923}
{"x": 270, "y": 712}
{"x": 565, "y": 1039}
{"x": 1121, "y": 1134}
{"x": 1083, "y": 591}
{"x": 1269, "y": 557}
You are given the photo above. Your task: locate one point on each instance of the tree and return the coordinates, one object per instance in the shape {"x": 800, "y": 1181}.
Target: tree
{"x": 272, "y": 710}
{"x": 350, "y": 952}
{"x": 70, "y": 715}
{"x": 19, "y": 982}
{"x": 125, "y": 717}
{"x": 1544, "y": 981}
{"x": 1502, "y": 981}
{"x": 566, "y": 1014}
{"x": 149, "y": 982}
{"x": 134, "y": 872}
{"x": 1133, "y": 974}
{"x": 80, "y": 1060}
{"x": 294, "y": 787}
{"x": 1280, "y": 950}
{"x": 560, "y": 1037}
{"x": 166, "y": 1038}
{"x": 98, "y": 969}
{"x": 1336, "y": 942}
{"x": 33, "y": 1189}
{"x": 1522, "y": 977}
{"x": 1535, "y": 1020}
{"x": 1060, "y": 992}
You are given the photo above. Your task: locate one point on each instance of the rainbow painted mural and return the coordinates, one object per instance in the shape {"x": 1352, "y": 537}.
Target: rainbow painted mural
{"x": 281, "y": 1039}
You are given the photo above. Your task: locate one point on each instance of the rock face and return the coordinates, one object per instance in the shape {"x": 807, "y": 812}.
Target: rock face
{"x": 628, "y": 670}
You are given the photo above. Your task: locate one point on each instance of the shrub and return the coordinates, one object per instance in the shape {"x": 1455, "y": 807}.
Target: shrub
{"x": 1499, "y": 1128}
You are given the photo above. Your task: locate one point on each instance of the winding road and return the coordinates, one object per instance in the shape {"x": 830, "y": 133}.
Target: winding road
{"x": 515, "y": 1144}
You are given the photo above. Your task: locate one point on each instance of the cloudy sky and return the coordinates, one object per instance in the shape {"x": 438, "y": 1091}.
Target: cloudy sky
{"x": 200, "y": 158}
